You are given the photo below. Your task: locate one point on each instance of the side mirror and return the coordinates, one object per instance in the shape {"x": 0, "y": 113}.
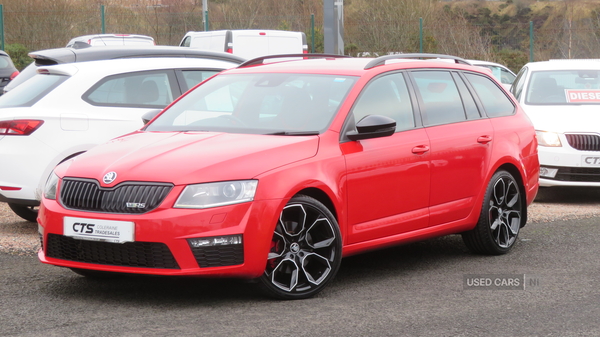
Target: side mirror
{"x": 373, "y": 126}
{"x": 147, "y": 117}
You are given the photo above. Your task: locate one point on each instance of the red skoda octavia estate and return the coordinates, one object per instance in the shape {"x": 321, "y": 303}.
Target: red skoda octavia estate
{"x": 276, "y": 170}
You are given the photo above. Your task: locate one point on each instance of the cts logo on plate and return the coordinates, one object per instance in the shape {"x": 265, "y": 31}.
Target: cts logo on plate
{"x": 109, "y": 177}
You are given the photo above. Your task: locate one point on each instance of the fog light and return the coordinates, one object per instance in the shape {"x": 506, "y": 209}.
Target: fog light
{"x": 548, "y": 172}
{"x": 216, "y": 241}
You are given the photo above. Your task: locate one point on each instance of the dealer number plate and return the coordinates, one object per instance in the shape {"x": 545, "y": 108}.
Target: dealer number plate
{"x": 99, "y": 230}
{"x": 590, "y": 161}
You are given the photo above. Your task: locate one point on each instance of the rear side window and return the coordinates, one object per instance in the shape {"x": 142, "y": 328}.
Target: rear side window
{"x": 140, "y": 89}
{"x": 495, "y": 102}
{"x": 387, "y": 96}
{"x": 31, "y": 91}
{"x": 5, "y": 62}
{"x": 441, "y": 101}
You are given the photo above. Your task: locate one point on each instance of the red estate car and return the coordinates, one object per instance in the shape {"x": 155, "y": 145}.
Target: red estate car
{"x": 274, "y": 171}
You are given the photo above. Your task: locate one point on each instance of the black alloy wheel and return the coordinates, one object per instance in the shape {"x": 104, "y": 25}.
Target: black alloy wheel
{"x": 305, "y": 252}
{"x": 503, "y": 213}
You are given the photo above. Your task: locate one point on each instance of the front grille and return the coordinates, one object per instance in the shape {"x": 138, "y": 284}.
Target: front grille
{"x": 219, "y": 256}
{"x": 128, "y": 197}
{"x": 584, "y": 142}
{"x": 581, "y": 174}
{"x": 129, "y": 254}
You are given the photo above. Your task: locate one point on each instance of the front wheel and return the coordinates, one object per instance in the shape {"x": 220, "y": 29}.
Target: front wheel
{"x": 305, "y": 252}
{"x": 28, "y": 213}
{"x": 502, "y": 215}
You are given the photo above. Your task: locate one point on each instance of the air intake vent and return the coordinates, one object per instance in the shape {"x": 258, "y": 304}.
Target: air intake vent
{"x": 219, "y": 256}
{"x": 129, "y": 254}
{"x": 128, "y": 197}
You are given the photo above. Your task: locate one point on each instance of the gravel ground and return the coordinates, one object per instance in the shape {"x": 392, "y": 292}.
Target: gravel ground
{"x": 556, "y": 203}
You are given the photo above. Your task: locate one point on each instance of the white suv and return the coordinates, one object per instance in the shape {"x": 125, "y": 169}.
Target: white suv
{"x": 562, "y": 98}
{"x": 66, "y": 109}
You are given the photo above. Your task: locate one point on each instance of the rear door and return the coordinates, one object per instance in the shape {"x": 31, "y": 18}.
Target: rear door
{"x": 461, "y": 142}
{"x": 250, "y": 44}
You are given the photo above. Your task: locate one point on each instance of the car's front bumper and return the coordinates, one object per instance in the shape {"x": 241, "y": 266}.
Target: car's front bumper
{"x": 161, "y": 244}
{"x": 566, "y": 166}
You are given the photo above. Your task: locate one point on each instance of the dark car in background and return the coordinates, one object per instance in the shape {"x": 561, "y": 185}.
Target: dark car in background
{"x": 8, "y": 71}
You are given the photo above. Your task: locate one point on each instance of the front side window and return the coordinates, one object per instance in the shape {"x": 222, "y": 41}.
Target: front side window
{"x": 186, "y": 41}
{"x": 258, "y": 103}
{"x": 387, "y": 96}
{"x": 517, "y": 86}
{"x": 495, "y": 102}
{"x": 442, "y": 103}
{"x": 140, "y": 89}
{"x": 564, "y": 87}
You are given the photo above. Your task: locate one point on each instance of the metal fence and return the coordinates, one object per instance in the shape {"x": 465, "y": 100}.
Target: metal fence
{"x": 511, "y": 44}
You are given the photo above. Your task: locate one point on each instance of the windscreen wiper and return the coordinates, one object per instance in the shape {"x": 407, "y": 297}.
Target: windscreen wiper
{"x": 293, "y": 133}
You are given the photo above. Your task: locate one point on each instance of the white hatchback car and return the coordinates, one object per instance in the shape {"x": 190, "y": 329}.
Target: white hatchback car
{"x": 66, "y": 109}
{"x": 562, "y": 99}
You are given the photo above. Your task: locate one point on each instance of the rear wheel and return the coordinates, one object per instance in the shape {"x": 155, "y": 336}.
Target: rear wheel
{"x": 306, "y": 251}
{"x": 502, "y": 216}
{"x": 28, "y": 213}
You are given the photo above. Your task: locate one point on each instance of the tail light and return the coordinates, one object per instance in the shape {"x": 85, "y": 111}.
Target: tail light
{"x": 9, "y": 188}
{"x": 19, "y": 127}
{"x": 13, "y": 75}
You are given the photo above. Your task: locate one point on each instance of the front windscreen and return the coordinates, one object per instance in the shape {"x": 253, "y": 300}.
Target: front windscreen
{"x": 564, "y": 87}
{"x": 258, "y": 104}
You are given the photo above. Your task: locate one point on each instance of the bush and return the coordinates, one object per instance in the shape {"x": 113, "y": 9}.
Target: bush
{"x": 18, "y": 54}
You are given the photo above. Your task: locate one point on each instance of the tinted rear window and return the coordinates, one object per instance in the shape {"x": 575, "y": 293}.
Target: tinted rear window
{"x": 31, "y": 91}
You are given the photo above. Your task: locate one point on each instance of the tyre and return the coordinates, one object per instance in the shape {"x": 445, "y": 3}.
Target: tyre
{"x": 306, "y": 251}
{"x": 28, "y": 213}
{"x": 503, "y": 213}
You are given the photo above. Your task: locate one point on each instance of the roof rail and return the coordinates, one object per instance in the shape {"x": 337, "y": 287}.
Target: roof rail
{"x": 261, "y": 59}
{"x": 381, "y": 60}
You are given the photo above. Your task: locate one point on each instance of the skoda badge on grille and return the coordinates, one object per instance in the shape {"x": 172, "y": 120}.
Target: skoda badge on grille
{"x": 109, "y": 177}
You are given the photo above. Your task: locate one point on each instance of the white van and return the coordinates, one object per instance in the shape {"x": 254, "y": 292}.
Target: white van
{"x": 248, "y": 43}
{"x": 113, "y": 40}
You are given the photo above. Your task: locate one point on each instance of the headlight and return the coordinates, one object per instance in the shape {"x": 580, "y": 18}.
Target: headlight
{"x": 548, "y": 138}
{"x": 50, "y": 188}
{"x": 217, "y": 194}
